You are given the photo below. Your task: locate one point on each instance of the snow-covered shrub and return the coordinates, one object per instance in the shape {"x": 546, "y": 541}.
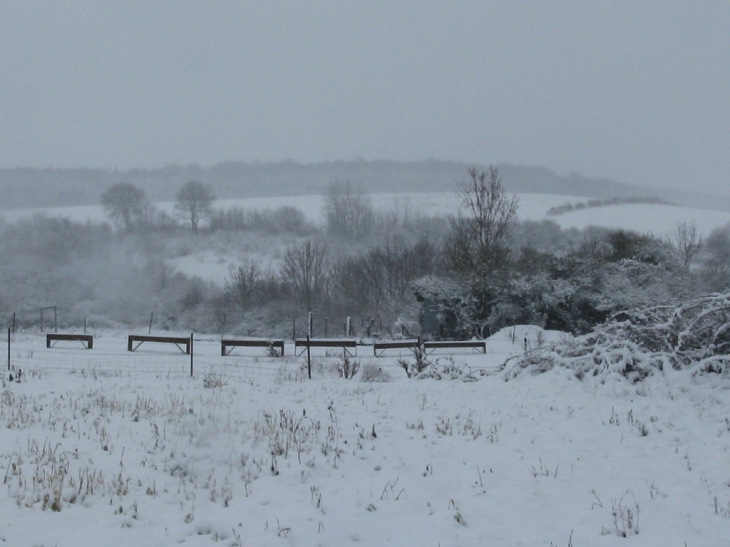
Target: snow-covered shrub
{"x": 418, "y": 365}
{"x": 212, "y": 380}
{"x": 373, "y": 373}
{"x": 449, "y": 369}
{"x": 635, "y": 344}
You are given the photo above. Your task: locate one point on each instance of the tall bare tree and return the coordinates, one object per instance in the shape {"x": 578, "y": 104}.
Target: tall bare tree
{"x": 304, "y": 271}
{"x": 716, "y": 259}
{"x": 348, "y": 211}
{"x": 685, "y": 237}
{"x": 243, "y": 284}
{"x": 477, "y": 243}
{"x": 194, "y": 200}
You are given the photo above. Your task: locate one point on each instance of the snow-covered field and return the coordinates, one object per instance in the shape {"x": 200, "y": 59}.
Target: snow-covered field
{"x": 643, "y": 218}
{"x": 106, "y": 447}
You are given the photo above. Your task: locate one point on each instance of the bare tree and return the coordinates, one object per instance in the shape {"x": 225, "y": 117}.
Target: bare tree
{"x": 348, "y": 211}
{"x": 304, "y": 271}
{"x": 124, "y": 202}
{"x": 242, "y": 285}
{"x": 194, "y": 202}
{"x": 477, "y": 243}
{"x": 716, "y": 259}
{"x": 685, "y": 237}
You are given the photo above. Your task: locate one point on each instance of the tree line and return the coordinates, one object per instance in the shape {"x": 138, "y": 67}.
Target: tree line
{"x": 480, "y": 267}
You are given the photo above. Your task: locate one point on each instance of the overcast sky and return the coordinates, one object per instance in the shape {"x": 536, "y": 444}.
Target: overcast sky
{"x": 634, "y": 90}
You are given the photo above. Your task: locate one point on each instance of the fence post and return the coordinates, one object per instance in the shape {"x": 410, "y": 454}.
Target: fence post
{"x": 191, "y": 354}
{"x": 309, "y": 360}
{"x": 151, "y": 316}
{"x": 310, "y": 322}
{"x": 293, "y": 328}
{"x": 8, "y": 350}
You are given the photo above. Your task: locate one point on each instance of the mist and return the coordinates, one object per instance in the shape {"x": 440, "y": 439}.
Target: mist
{"x": 632, "y": 91}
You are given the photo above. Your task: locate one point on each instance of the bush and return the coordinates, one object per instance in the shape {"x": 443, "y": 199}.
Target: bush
{"x": 347, "y": 368}
{"x": 694, "y": 335}
{"x": 418, "y": 365}
{"x": 372, "y": 373}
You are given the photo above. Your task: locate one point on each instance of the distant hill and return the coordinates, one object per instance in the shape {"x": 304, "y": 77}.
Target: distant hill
{"x": 31, "y": 188}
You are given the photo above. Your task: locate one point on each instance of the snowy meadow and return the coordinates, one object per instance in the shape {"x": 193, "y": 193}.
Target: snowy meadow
{"x": 109, "y": 447}
{"x": 618, "y": 436}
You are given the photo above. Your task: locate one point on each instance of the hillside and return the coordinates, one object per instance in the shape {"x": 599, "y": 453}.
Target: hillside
{"x": 32, "y": 188}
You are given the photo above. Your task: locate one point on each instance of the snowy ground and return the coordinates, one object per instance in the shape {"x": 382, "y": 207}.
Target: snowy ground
{"x": 106, "y": 447}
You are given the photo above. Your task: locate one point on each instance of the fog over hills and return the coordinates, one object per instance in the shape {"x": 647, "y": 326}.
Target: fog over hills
{"x": 32, "y": 187}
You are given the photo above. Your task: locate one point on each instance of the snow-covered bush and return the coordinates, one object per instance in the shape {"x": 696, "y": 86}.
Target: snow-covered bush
{"x": 419, "y": 363}
{"x": 694, "y": 335}
{"x": 374, "y": 373}
{"x": 449, "y": 369}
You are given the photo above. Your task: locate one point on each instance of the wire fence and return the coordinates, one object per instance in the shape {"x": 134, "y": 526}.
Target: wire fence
{"x": 28, "y": 353}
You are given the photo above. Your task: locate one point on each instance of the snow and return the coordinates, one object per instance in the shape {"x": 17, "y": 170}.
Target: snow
{"x": 248, "y": 451}
{"x": 643, "y": 218}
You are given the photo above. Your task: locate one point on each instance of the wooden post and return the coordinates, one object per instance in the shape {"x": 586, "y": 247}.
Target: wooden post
{"x": 84, "y": 324}
{"x": 191, "y": 354}
{"x": 309, "y": 360}
{"x": 310, "y": 324}
{"x": 151, "y": 316}
{"x": 293, "y": 328}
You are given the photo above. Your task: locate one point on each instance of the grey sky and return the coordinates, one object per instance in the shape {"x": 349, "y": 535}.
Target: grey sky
{"x": 631, "y": 90}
